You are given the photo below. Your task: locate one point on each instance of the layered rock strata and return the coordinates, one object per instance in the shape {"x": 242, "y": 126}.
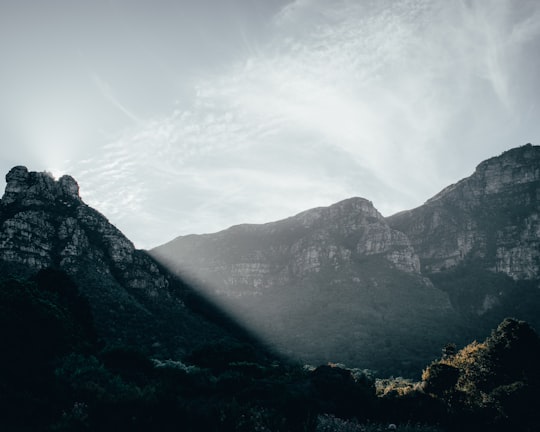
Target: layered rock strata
{"x": 44, "y": 223}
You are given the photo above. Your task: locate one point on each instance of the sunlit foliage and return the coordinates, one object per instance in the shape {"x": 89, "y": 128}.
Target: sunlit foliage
{"x": 495, "y": 382}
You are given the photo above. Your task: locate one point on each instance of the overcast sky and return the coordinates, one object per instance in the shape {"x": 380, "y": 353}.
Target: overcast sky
{"x": 181, "y": 117}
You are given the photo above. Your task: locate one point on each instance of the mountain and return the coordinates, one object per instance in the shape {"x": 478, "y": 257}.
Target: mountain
{"x": 479, "y": 239}
{"x": 329, "y": 284}
{"x": 491, "y": 216}
{"x": 134, "y": 300}
{"x": 343, "y": 283}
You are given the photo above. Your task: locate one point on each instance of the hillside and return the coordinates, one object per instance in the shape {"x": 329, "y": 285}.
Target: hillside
{"x": 134, "y": 300}
{"x": 329, "y": 284}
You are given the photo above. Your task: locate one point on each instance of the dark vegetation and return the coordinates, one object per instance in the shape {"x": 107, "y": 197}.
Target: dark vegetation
{"x": 56, "y": 375}
{"x": 369, "y": 319}
{"x": 483, "y": 298}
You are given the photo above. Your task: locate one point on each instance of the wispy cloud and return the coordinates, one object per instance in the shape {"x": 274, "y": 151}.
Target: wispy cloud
{"x": 108, "y": 94}
{"x": 379, "y": 99}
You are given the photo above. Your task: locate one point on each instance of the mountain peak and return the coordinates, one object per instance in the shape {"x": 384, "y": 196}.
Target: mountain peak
{"x": 522, "y": 154}
{"x": 490, "y": 217}
{"x": 348, "y": 212}
{"x": 515, "y": 166}
{"x": 45, "y": 224}
{"x": 34, "y": 188}
{"x": 495, "y": 175}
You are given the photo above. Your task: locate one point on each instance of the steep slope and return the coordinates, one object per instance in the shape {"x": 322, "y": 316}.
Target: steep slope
{"x": 44, "y": 223}
{"x": 479, "y": 239}
{"x": 329, "y": 284}
{"x": 493, "y": 215}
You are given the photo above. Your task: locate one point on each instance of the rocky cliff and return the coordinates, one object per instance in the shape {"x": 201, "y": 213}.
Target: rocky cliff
{"x": 332, "y": 283}
{"x": 493, "y": 216}
{"x": 484, "y": 228}
{"x": 44, "y": 223}
{"x": 252, "y": 259}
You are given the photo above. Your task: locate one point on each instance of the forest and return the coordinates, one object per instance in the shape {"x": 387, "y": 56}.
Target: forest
{"x": 58, "y": 375}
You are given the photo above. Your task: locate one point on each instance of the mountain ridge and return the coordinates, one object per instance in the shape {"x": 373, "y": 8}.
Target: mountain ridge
{"x": 512, "y": 178}
{"x": 135, "y": 300}
{"x": 342, "y": 263}
{"x": 347, "y": 251}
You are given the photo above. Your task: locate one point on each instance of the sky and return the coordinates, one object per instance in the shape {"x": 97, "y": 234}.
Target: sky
{"x": 179, "y": 117}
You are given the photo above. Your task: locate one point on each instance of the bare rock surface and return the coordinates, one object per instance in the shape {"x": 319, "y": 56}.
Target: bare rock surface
{"x": 44, "y": 223}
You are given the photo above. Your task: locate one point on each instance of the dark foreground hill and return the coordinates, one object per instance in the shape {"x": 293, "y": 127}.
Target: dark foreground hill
{"x": 55, "y": 377}
{"x": 133, "y": 299}
{"x": 343, "y": 283}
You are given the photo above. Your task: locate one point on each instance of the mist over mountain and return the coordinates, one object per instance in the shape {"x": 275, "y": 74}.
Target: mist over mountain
{"x": 343, "y": 283}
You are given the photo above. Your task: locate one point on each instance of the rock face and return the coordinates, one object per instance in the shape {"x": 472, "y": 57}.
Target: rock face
{"x": 44, "y": 223}
{"x": 487, "y": 224}
{"x": 492, "y": 215}
{"x": 322, "y": 285}
{"x": 249, "y": 260}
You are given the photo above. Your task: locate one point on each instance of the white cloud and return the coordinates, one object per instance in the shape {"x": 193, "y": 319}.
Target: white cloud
{"x": 387, "y": 100}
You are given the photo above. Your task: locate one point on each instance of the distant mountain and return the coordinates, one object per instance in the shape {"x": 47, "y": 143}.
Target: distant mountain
{"x": 134, "y": 300}
{"x": 343, "y": 283}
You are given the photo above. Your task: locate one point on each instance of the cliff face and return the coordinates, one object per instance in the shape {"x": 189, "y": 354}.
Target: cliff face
{"x": 479, "y": 239}
{"x": 44, "y": 223}
{"x": 491, "y": 216}
{"x": 333, "y": 283}
{"x": 253, "y": 259}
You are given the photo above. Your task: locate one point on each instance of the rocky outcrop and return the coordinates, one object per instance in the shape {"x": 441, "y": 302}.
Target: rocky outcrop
{"x": 332, "y": 283}
{"x": 346, "y": 269}
{"x": 44, "y": 223}
{"x": 492, "y": 217}
{"x": 479, "y": 239}
{"x": 249, "y": 259}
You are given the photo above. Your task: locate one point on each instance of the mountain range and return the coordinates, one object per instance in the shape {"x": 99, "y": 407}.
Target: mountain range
{"x": 332, "y": 284}
{"x": 343, "y": 283}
